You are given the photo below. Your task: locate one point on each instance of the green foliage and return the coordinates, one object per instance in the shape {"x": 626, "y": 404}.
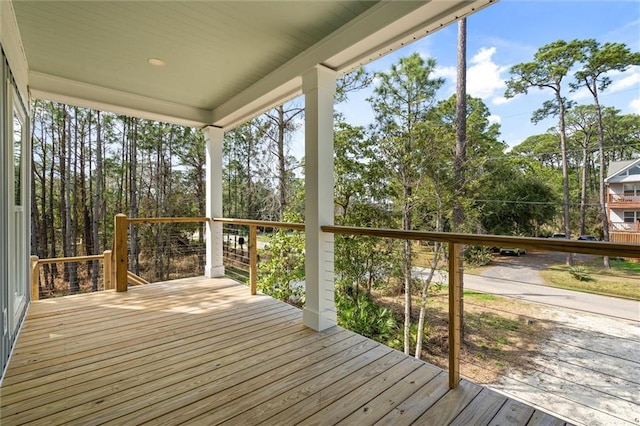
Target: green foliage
{"x": 479, "y": 296}
{"x": 396, "y": 341}
{"x": 626, "y": 266}
{"x": 579, "y": 272}
{"x": 363, "y": 316}
{"x": 477, "y": 255}
{"x": 517, "y": 198}
{"x": 281, "y": 275}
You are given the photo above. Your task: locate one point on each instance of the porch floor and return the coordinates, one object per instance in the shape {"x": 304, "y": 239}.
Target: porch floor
{"x": 203, "y": 351}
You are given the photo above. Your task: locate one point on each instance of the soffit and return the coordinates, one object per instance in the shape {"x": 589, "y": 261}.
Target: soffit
{"x": 221, "y": 57}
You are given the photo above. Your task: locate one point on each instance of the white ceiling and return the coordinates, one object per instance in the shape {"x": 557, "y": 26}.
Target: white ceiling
{"x": 225, "y": 60}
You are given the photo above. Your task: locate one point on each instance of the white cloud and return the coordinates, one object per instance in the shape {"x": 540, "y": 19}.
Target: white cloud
{"x": 501, "y": 100}
{"x": 620, "y": 82}
{"x": 494, "y": 119}
{"x": 634, "y": 105}
{"x": 630, "y": 78}
{"x": 484, "y": 76}
{"x": 582, "y": 93}
{"x": 449, "y": 73}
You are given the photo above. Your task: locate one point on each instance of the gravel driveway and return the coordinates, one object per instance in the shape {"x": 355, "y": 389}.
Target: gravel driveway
{"x": 589, "y": 370}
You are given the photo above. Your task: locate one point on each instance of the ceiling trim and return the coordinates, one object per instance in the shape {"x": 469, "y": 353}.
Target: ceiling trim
{"x": 13, "y": 49}
{"x": 58, "y": 89}
{"x": 252, "y": 108}
{"x": 373, "y": 19}
{"x": 403, "y": 31}
{"x": 383, "y": 28}
{"x": 380, "y": 30}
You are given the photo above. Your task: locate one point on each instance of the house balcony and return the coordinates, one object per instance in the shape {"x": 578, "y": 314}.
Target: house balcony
{"x": 624, "y": 226}
{"x": 624, "y": 232}
{"x": 211, "y": 351}
{"x": 623, "y": 201}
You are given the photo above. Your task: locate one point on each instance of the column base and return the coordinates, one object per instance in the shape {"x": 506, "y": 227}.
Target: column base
{"x": 319, "y": 321}
{"x": 214, "y": 271}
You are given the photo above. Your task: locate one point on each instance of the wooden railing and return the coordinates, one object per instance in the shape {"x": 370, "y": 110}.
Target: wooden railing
{"x": 120, "y": 245}
{"x": 120, "y": 250}
{"x": 623, "y": 199}
{"x": 36, "y": 262}
{"x": 624, "y": 226}
{"x": 455, "y": 241}
{"x": 253, "y": 241}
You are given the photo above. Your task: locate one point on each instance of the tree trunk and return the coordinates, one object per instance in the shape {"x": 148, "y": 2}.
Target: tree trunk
{"x": 602, "y": 175}
{"x": 97, "y": 203}
{"x": 282, "y": 171}
{"x": 461, "y": 150}
{"x": 133, "y": 195}
{"x": 249, "y": 185}
{"x": 425, "y": 284}
{"x": 406, "y": 269}
{"x": 65, "y": 213}
{"x": 51, "y": 214}
{"x": 565, "y": 173}
{"x": 583, "y": 187}
{"x": 72, "y": 204}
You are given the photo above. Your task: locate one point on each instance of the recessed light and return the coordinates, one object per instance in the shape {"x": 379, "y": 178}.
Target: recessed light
{"x": 156, "y": 62}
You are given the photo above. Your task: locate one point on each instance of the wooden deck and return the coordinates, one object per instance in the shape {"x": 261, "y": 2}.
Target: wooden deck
{"x": 203, "y": 351}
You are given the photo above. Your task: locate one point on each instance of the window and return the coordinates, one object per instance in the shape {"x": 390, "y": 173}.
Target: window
{"x": 631, "y": 189}
{"x": 631, "y": 217}
{"x": 635, "y": 170}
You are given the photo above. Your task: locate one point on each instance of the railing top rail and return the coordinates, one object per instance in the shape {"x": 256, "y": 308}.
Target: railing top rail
{"x": 262, "y": 223}
{"x": 71, "y": 259}
{"x": 600, "y": 248}
{"x": 167, "y": 219}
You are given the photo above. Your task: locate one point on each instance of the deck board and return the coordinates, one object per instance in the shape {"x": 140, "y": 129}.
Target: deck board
{"x": 203, "y": 351}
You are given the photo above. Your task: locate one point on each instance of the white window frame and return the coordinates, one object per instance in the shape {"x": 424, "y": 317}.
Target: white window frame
{"x": 18, "y": 219}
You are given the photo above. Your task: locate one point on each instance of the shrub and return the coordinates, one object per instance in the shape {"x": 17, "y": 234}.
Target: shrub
{"x": 580, "y": 273}
{"x": 363, "y": 316}
{"x": 477, "y": 255}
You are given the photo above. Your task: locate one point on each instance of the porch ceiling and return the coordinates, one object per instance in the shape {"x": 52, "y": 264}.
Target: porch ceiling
{"x": 225, "y": 60}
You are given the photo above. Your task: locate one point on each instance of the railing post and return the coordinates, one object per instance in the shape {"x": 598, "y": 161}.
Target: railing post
{"x": 35, "y": 278}
{"x": 106, "y": 270}
{"x": 253, "y": 259}
{"x": 454, "y": 315}
{"x": 120, "y": 250}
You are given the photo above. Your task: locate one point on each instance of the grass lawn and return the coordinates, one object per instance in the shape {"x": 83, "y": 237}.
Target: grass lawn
{"x": 622, "y": 280}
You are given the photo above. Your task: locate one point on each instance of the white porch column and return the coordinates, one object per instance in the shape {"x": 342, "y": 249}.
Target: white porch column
{"x": 319, "y": 85}
{"x": 213, "y": 137}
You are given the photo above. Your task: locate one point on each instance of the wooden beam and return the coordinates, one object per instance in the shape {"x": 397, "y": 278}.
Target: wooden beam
{"x": 261, "y": 223}
{"x": 598, "y": 248}
{"x": 106, "y": 270}
{"x": 454, "y": 315}
{"x": 167, "y": 219}
{"x": 253, "y": 259}
{"x": 120, "y": 250}
{"x": 71, "y": 259}
{"x": 35, "y": 278}
{"x": 136, "y": 279}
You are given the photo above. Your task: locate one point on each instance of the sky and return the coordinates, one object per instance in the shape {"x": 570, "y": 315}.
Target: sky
{"x": 510, "y": 32}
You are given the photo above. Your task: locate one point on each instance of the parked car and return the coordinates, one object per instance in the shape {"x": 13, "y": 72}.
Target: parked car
{"x": 587, "y": 238}
{"x": 558, "y": 235}
{"x": 512, "y": 251}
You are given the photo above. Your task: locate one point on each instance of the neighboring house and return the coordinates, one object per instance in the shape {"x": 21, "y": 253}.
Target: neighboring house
{"x": 623, "y": 200}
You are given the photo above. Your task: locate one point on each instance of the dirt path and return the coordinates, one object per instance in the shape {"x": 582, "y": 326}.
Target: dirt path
{"x": 589, "y": 370}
